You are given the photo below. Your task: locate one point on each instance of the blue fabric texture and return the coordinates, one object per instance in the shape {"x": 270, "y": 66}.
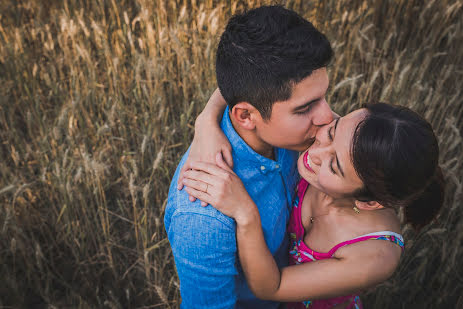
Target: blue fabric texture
{"x": 203, "y": 239}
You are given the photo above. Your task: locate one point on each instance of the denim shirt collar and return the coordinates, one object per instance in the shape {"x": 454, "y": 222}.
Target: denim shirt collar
{"x": 242, "y": 151}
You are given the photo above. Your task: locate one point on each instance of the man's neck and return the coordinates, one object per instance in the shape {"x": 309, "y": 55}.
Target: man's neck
{"x": 253, "y": 141}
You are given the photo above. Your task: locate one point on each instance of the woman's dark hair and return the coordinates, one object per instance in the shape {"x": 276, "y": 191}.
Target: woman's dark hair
{"x": 263, "y": 52}
{"x": 395, "y": 153}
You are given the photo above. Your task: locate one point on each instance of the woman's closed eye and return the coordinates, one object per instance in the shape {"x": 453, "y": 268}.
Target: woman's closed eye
{"x": 329, "y": 133}
{"x": 330, "y": 137}
{"x": 331, "y": 167}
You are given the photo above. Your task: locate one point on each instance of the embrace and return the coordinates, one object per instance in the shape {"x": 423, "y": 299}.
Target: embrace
{"x": 279, "y": 202}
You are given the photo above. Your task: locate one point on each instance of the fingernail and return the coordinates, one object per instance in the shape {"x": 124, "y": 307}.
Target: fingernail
{"x": 191, "y": 199}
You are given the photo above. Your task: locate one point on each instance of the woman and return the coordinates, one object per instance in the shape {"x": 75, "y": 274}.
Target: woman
{"x": 344, "y": 227}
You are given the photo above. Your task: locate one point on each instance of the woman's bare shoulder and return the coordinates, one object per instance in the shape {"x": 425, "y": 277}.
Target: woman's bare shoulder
{"x": 380, "y": 257}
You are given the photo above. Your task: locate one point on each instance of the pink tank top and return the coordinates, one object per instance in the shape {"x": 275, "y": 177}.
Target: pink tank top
{"x": 301, "y": 253}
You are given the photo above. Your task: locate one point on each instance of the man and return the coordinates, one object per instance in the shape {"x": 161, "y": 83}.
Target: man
{"x": 271, "y": 71}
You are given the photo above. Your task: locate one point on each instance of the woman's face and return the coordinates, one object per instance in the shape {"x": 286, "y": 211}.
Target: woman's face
{"x": 327, "y": 164}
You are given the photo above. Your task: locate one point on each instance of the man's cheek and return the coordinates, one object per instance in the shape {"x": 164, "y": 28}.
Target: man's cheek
{"x": 295, "y": 127}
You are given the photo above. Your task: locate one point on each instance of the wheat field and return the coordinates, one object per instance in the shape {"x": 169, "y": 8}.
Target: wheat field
{"x": 97, "y": 104}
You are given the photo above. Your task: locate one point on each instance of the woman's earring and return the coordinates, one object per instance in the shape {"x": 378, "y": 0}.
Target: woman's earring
{"x": 356, "y": 209}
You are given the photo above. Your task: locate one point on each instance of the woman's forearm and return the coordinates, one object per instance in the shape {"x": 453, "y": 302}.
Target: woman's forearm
{"x": 260, "y": 268}
{"x": 213, "y": 111}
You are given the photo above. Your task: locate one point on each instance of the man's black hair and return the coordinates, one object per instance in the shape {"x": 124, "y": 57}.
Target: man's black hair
{"x": 264, "y": 52}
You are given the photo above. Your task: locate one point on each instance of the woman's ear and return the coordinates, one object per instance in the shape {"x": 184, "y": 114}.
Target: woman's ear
{"x": 370, "y": 205}
{"x": 244, "y": 115}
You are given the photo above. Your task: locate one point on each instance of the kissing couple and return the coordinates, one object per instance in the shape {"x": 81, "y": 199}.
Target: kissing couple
{"x": 281, "y": 203}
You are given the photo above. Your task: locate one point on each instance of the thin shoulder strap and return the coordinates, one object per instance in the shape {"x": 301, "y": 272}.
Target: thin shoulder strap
{"x": 385, "y": 235}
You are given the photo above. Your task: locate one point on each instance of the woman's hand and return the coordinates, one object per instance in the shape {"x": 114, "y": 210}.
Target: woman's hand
{"x": 209, "y": 140}
{"x": 219, "y": 186}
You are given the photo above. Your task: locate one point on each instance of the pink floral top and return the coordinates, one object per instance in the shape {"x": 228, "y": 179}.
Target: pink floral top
{"x": 301, "y": 253}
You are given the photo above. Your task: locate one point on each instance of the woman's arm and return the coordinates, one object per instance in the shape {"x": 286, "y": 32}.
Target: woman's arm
{"x": 214, "y": 108}
{"x": 209, "y": 138}
{"x": 259, "y": 266}
{"x": 218, "y": 185}
{"x": 355, "y": 267}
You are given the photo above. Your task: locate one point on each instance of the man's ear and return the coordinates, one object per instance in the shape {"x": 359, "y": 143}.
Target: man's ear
{"x": 244, "y": 114}
{"x": 370, "y": 205}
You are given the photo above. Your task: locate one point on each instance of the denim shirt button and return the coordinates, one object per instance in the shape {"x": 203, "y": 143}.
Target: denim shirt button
{"x": 277, "y": 166}
{"x": 262, "y": 168}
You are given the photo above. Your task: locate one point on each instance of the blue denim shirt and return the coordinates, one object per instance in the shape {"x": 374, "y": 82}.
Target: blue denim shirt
{"x": 203, "y": 239}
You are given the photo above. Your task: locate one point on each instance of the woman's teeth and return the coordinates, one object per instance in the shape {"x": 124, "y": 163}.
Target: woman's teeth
{"x": 308, "y": 162}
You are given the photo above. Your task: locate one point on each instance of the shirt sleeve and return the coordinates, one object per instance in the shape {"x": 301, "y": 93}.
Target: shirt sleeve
{"x": 204, "y": 250}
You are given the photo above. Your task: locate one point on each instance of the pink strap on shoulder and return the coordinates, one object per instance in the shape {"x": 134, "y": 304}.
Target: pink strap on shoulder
{"x": 349, "y": 242}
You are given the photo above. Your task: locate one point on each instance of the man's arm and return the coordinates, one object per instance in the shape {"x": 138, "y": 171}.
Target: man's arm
{"x": 204, "y": 249}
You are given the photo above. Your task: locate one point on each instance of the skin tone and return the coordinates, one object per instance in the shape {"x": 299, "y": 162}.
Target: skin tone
{"x": 326, "y": 164}
{"x": 352, "y": 268}
{"x": 205, "y": 149}
{"x": 292, "y": 125}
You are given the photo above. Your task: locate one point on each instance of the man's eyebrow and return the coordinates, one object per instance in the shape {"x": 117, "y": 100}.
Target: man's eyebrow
{"x": 337, "y": 160}
{"x": 301, "y": 107}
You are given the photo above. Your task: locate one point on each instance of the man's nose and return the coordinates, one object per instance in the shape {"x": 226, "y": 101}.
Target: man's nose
{"x": 323, "y": 114}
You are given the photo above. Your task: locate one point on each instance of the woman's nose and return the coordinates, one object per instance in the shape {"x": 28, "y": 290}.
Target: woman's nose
{"x": 320, "y": 147}
{"x": 316, "y": 153}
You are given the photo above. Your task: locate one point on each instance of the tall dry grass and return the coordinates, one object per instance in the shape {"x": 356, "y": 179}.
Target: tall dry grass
{"x": 97, "y": 103}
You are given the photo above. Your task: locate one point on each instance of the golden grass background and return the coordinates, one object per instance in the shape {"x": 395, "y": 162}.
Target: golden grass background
{"x": 97, "y": 104}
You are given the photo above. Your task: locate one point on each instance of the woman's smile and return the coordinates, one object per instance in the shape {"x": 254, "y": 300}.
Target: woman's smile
{"x": 306, "y": 162}
{"x": 327, "y": 163}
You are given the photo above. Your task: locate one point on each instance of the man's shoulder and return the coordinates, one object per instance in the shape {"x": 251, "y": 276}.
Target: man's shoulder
{"x": 200, "y": 227}
{"x": 182, "y": 209}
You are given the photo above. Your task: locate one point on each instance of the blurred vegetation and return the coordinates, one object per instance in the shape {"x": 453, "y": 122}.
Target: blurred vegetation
{"x": 97, "y": 105}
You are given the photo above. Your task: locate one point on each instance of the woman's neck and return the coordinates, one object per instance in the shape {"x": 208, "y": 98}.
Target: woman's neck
{"x": 338, "y": 218}
{"x": 327, "y": 202}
